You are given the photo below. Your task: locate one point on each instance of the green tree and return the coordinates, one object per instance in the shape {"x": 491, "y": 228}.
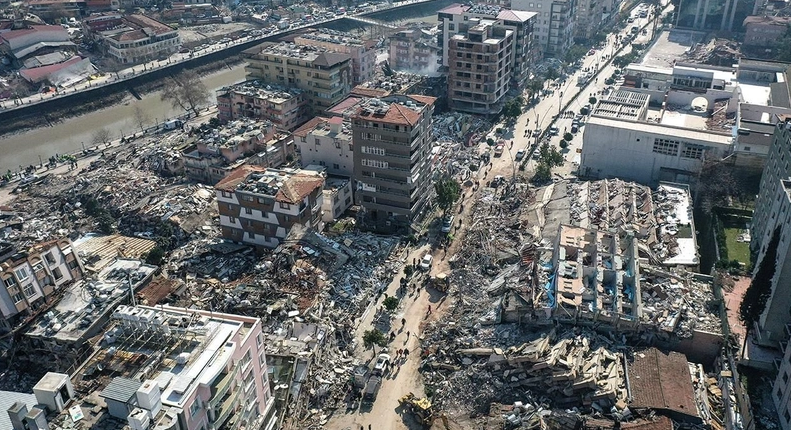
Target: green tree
{"x": 448, "y": 191}
{"x": 574, "y": 53}
{"x": 390, "y": 303}
{"x": 754, "y": 299}
{"x": 564, "y": 144}
{"x": 567, "y": 137}
{"x": 551, "y": 74}
{"x": 409, "y": 270}
{"x": 784, "y": 47}
{"x": 592, "y": 101}
{"x": 374, "y": 337}
{"x": 155, "y": 256}
{"x": 105, "y": 223}
{"x": 534, "y": 86}
{"x": 513, "y": 108}
{"x": 543, "y": 173}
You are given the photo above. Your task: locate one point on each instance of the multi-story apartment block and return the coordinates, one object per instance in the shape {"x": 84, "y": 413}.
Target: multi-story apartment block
{"x": 326, "y": 142}
{"x": 287, "y": 108}
{"x": 362, "y": 52}
{"x": 554, "y": 25}
{"x": 592, "y": 15}
{"x": 325, "y": 76}
{"x": 392, "y": 146}
{"x": 218, "y": 152}
{"x": 479, "y": 86}
{"x": 486, "y": 21}
{"x": 259, "y": 206}
{"x": 772, "y": 222}
{"x": 133, "y": 38}
{"x": 208, "y": 370}
{"x": 30, "y": 277}
{"x": 413, "y": 50}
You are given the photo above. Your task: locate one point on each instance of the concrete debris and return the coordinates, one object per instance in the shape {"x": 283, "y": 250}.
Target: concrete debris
{"x": 573, "y": 368}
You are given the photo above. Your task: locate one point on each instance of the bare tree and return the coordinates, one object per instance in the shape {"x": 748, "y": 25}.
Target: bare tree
{"x": 141, "y": 117}
{"x": 101, "y": 136}
{"x": 189, "y": 93}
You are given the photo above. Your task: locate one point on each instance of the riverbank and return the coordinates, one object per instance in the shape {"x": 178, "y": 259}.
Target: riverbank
{"x": 49, "y": 118}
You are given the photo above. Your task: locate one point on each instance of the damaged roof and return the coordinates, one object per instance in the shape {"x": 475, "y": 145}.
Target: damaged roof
{"x": 661, "y": 380}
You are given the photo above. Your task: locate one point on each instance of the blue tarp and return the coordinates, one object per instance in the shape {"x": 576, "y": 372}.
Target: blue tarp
{"x": 550, "y": 287}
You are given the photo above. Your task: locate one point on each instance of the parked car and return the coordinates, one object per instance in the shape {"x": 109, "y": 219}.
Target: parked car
{"x": 447, "y": 223}
{"x": 554, "y": 131}
{"x": 382, "y": 364}
{"x": 520, "y": 154}
{"x": 498, "y": 150}
{"x": 425, "y": 262}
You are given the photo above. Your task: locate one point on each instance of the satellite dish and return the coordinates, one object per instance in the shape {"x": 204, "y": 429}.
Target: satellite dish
{"x": 699, "y": 104}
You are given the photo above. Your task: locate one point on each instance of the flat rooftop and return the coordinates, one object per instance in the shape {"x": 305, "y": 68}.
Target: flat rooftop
{"x": 670, "y": 47}
{"x": 86, "y": 303}
{"x": 671, "y": 130}
{"x": 262, "y": 90}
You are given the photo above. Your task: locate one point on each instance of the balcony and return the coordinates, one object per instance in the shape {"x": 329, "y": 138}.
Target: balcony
{"x": 226, "y": 408}
{"x": 222, "y": 386}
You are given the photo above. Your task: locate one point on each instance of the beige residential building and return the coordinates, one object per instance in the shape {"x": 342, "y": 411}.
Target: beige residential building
{"x": 286, "y": 108}
{"x": 325, "y": 76}
{"x": 362, "y": 52}
{"x": 492, "y": 47}
{"x": 259, "y": 206}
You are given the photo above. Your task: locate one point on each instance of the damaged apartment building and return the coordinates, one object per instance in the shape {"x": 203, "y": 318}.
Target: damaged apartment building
{"x": 218, "y": 151}
{"x": 286, "y": 108}
{"x": 259, "y": 206}
{"x": 34, "y": 277}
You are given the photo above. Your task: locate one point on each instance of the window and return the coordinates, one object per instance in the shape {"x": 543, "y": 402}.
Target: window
{"x": 56, "y": 273}
{"x": 248, "y": 211}
{"x": 226, "y": 194}
{"x": 72, "y": 264}
{"x": 29, "y": 290}
{"x": 50, "y": 259}
{"x": 336, "y": 166}
{"x": 21, "y": 273}
{"x": 337, "y": 144}
{"x": 232, "y": 220}
{"x": 284, "y": 205}
{"x": 452, "y": 27}
{"x": 248, "y": 198}
{"x": 10, "y": 282}
{"x": 693, "y": 151}
{"x": 195, "y": 407}
{"x": 318, "y": 142}
{"x": 375, "y": 163}
{"x": 259, "y": 339}
{"x": 250, "y": 235}
{"x": 264, "y": 201}
{"x": 746, "y": 148}
{"x": 785, "y": 377}
{"x": 666, "y": 146}
{"x": 18, "y": 297}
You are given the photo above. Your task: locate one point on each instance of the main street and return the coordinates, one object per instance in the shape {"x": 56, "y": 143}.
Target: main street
{"x": 418, "y": 309}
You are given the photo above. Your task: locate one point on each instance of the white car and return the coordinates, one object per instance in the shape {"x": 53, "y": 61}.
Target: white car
{"x": 382, "y": 364}
{"x": 425, "y": 262}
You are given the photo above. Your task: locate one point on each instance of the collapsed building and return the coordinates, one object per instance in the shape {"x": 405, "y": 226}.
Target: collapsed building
{"x": 602, "y": 270}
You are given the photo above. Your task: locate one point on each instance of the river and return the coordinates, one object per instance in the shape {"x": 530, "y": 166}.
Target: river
{"x": 69, "y": 136}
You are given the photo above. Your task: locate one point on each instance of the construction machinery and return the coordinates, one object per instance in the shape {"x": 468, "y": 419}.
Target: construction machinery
{"x": 419, "y": 406}
{"x": 439, "y": 281}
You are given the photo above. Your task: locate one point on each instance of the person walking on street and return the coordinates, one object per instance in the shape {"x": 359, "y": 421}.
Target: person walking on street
{"x": 403, "y": 322}
{"x": 407, "y": 336}
{"x": 429, "y": 309}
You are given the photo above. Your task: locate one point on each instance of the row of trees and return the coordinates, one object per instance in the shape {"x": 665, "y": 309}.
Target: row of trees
{"x": 548, "y": 157}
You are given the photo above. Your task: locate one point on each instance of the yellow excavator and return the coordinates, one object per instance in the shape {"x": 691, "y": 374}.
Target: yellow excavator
{"x": 419, "y": 406}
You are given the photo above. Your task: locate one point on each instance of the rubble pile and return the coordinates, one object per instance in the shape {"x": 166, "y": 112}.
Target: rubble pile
{"x": 679, "y": 305}
{"x": 144, "y": 203}
{"x": 717, "y": 52}
{"x": 554, "y": 370}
